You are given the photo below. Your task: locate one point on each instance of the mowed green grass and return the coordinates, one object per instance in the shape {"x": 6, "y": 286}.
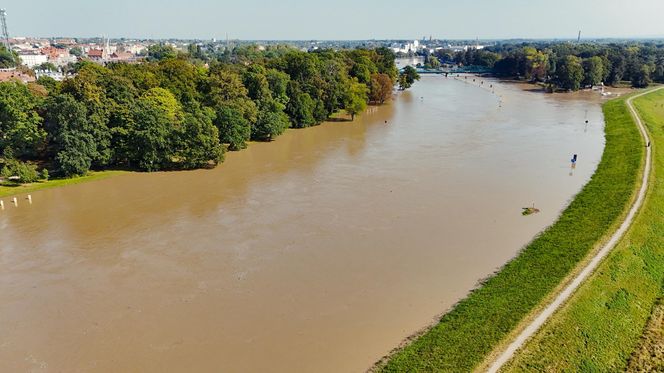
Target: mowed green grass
{"x": 600, "y": 327}
{"x": 9, "y": 189}
{"x": 466, "y": 334}
{"x": 649, "y": 355}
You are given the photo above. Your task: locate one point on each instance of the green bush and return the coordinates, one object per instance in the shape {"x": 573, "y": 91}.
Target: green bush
{"x": 20, "y": 172}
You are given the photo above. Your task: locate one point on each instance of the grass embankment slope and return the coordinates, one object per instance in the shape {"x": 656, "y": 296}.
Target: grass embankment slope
{"x": 649, "y": 355}
{"x": 9, "y": 189}
{"x": 601, "y": 325}
{"x": 470, "y": 331}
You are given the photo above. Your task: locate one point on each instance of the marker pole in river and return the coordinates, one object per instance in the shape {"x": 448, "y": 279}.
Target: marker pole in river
{"x": 2, "y": 205}
{"x": 30, "y": 199}
{"x": 15, "y": 201}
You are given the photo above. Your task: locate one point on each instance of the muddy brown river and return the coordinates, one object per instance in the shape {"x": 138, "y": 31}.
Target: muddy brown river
{"x": 318, "y": 252}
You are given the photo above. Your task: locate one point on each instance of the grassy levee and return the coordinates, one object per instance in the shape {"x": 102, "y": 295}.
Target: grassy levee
{"x": 9, "y": 189}
{"x": 465, "y": 335}
{"x": 601, "y": 325}
{"x": 649, "y": 355}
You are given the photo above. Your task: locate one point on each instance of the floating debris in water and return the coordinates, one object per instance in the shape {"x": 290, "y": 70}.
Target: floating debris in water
{"x": 529, "y": 210}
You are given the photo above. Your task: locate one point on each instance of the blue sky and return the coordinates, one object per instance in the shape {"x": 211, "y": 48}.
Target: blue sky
{"x": 338, "y": 19}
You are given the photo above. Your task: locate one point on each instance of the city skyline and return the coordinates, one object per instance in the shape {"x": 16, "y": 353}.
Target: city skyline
{"x": 343, "y": 20}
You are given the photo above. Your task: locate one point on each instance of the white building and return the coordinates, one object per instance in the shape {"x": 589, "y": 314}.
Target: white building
{"x": 133, "y": 48}
{"x": 32, "y": 60}
{"x": 408, "y": 47}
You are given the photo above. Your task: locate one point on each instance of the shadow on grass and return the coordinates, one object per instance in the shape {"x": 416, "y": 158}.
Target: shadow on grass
{"x": 9, "y": 185}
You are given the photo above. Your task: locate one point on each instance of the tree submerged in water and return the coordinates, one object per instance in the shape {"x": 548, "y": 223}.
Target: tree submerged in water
{"x": 407, "y": 77}
{"x": 180, "y": 110}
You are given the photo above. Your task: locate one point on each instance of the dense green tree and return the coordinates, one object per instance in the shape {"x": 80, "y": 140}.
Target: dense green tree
{"x": 142, "y": 76}
{"x": 641, "y": 78}
{"x": 19, "y": 172}
{"x": 225, "y": 88}
{"x": 8, "y": 59}
{"x": 432, "y": 63}
{"x": 235, "y": 111}
{"x": 159, "y": 52}
{"x": 157, "y": 115}
{"x": 20, "y": 124}
{"x": 196, "y": 52}
{"x": 536, "y": 64}
{"x": 197, "y": 141}
{"x": 658, "y": 71}
{"x": 617, "y": 69}
{"x": 255, "y": 81}
{"x": 300, "y": 107}
{"x": 407, "y": 77}
{"x": 234, "y": 128}
{"x": 52, "y": 86}
{"x": 166, "y": 102}
{"x": 88, "y": 88}
{"x": 272, "y": 120}
{"x": 510, "y": 65}
{"x": 356, "y": 98}
{"x": 362, "y": 67}
{"x": 278, "y": 82}
{"x": 46, "y": 66}
{"x": 608, "y": 63}
{"x": 334, "y": 85}
{"x": 593, "y": 70}
{"x": 76, "y": 51}
{"x": 182, "y": 78}
{"x": 570, "y": 73}
{"x": 312, "y": 93}
{"x": 384, "y": 58}
{"x": 72, "y": 135}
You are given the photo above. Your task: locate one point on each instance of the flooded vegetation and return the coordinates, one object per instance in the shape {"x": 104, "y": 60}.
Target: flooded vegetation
{"x": 320, "y": 251}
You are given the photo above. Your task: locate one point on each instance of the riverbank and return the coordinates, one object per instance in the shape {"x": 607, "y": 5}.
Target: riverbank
{"x": 10, "y": 189}
{"x": 600, "y": 327}
{"x": 476, "y": 325}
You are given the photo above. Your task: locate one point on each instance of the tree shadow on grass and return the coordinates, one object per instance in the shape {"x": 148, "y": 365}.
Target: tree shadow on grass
{"x": 9, "y": 184}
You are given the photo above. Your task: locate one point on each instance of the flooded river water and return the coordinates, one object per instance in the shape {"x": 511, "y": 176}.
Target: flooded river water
{"x": 320, "y": 251}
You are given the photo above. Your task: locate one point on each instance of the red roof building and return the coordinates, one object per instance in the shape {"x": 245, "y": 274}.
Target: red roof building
{"x": 96, "y": 54}
{"x": 122, "y": 56}
{"x": 55, "y": 53}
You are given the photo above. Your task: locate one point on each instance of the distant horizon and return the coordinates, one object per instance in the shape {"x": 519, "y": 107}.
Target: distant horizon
{"x": 590, "y": 38}
{"x": 296, "y": 20}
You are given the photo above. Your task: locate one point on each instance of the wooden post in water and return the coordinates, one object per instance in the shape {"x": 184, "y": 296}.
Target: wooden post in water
{"x": 30, "y": 199}
{"x": 15, "y": 201}
{"x": 2, "y": 205}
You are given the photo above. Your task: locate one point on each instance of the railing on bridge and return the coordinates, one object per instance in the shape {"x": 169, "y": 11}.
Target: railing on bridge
{"x": 454, "y": 70}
